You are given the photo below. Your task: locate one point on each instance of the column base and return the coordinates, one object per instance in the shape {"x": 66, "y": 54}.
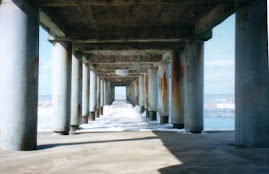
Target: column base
{"x": 178, "y": 126}
{"x": 84, "y": 120}
{"x": 97, "y": 113}
{"x": 101, "y": 110}
{"x": 147, "y": 113}
{"x": 73, "y": 128}
{"x": 60, "y": 133}
{"x": 142, "y": 109}
{"x": 164, "y": 119}
{"x": 195, "y": 132}
{"x": 92, "y": 116}
{"x": 153, "y": 115}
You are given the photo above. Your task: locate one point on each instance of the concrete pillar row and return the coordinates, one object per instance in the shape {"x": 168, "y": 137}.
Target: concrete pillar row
{"x": 146, "y": 94}
{"x": 85, "y": 92}
{"x": 153, "y": 93}
{"x": 178, "y": 71}
{"x": 19, "y": 75}
{"x": 163, "y": 81}
{"x": 194, "y": 95}
{"x": 76, "y": 90}
{"x": 252, "y": 76}
{"x": 98, "y": 93}
{"x": 93, "y": 96}
{"x": 141, "y": 93}
{"x": 61, "y": 87}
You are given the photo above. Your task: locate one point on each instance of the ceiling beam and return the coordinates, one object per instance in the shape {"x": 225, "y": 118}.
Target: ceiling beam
{"x": 62, "y": 3}
{"x": 99, "y": 67}
{"x": 117, "y": 59}
{"x": 130, "y": 45}
{"x": 213, "y": 18}
{"x": 52, "y": 23}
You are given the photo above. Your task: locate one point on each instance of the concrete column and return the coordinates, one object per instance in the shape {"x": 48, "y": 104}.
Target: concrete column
{"x": 105, "y": 93}
{"x": 163, "y": 94}
{"x": 146, "y": 96}
{"x": 101, "y": 97}
{"x": 153, "y": 93}
{"x": 136, "y": 92}
{"x": 61, "y": 92}
{"x": 113, "y": 93}
{"x": 97, "y": 96}
{"x": 141, "y": 93}
{"x": 177, "y": 89}
{"x": 76, "y": 88}
{"x": 194, "y": 95}
{"x": 85, "y": 93}
{"x": 252, "y": 76}
{"x": 93, "y": 90}
{"x": 19, "y": 75}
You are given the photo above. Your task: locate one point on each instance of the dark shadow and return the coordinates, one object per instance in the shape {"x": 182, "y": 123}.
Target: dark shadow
{"x": 212, "y": 152}
{"x": 47, "y": 146}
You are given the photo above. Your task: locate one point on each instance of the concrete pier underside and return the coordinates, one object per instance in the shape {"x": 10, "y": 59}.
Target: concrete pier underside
{"x": 137, "y": 152}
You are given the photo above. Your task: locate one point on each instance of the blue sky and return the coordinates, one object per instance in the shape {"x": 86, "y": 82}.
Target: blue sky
{"x": 219, "y": 60}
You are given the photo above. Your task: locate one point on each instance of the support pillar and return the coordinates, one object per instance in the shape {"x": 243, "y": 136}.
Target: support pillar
{"x": 146, "y": 96}
{"x": 153, "y": 93}
{"x": 98, "y": 97}
{"x": 163, "y": 94}
{"x": 177, "y": 89}
{"x": 85, "y": 93}
{"x": 61, "y": 91}
{"x": 19, "y": 75}
{"x": 101, "y": 97}
{"x": 136, "y": 92}
{"x": 112, "y": 94}
{"x": 141, "y": 93}
{"x": 194, "y": 95}
{"x": 105, "y": 93}
{"x": 76, "y": 88}
{"x": 93, "y": 90}
{"x": 252, "y": 76}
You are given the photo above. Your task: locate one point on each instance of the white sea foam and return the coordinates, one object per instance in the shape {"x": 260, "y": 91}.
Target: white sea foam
{"x": 122, "y": 116}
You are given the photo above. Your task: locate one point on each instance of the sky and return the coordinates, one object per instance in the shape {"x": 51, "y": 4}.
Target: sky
{"x": 219, "y": 60}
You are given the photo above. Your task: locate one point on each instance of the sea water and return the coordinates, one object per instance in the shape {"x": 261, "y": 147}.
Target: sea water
{"x": 218, "y": 112}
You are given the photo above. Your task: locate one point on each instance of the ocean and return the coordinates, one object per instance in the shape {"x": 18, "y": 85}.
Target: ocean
{"x": 218, "y": 112}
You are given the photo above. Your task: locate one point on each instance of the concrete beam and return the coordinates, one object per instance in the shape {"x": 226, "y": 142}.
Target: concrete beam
{"x": 64, "y": 3}
{"x": 152, "y": 93}
{"x": 93, "y": 96}
{"x": 52, "y": 23}
{"x": 128, "y": 45}
{"x": 123, "y": 66}
{"x": 213, "y": 18}
{"x": 85, "y": 93}
{"x": 121, "y": 59}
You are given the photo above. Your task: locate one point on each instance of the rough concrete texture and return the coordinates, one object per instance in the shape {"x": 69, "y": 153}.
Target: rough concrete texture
{"x": 137, "y": 152}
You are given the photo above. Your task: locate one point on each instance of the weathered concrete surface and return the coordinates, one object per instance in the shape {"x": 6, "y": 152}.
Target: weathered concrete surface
{"x": 61, "y": 90}
{"x": 85, "y": 92}
{"x": 178, "y": 73}
{"x": 252, "y": 76}
{"x": 137, "y": 152}
{"x": 19, "y": 75}
{"x": 76, "y": 90}
{"x": 194, "y": 93}
{"x": 163, "y": 94}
